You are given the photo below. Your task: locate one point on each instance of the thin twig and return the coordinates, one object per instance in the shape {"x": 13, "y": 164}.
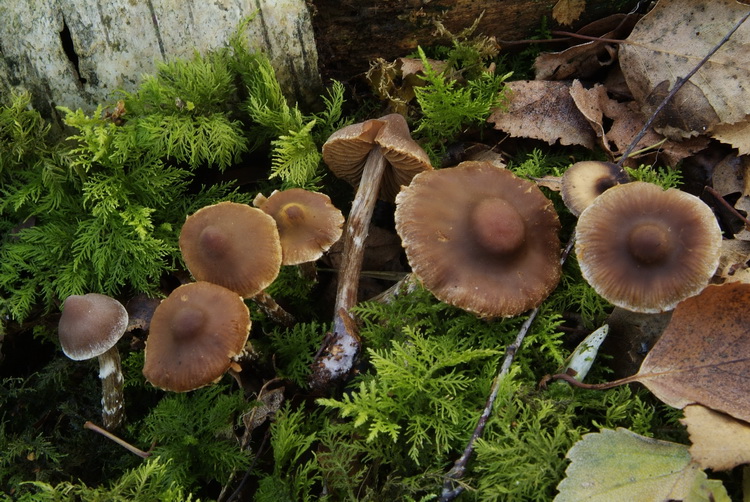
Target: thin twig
{"x": 677, "y": 86}
{"x": 92, "y": 426}
{"x": 727, "y": 205}
{"x": 459, "y": 467}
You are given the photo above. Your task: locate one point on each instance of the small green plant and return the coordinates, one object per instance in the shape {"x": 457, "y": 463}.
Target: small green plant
{"x": 195, "y": 432}
{"x": 150, "y": 481}
{"x": 665, "y": 177}
{"x": 448, "y": 107}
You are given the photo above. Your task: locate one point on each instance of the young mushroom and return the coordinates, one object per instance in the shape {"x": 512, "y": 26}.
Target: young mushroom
{"x": 377, "y": 156}
{"x": 308, "y": 223}
{"x": 238, "y": 247}
{"x": 480, "y": 238}
{"x": 584, "y": 181}
{"x": 646, "y": 249}
{"x": 195, "y": 334}
{"x": 90, "y": 326}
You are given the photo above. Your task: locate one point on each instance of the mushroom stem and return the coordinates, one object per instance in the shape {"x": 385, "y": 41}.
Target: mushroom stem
{"x": 273, "y": 310}
{"x": 357, "y": 228}
{"x": 110, "y": 372}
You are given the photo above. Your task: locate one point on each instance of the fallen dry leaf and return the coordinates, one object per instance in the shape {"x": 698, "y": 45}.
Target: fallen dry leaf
{"x": 720, "y": 442}
{"x": 566, "y": 12}
{"x": 704, "y": 354}
{"x": 668, "y": 43}
{"x": 543, "y": 110}
{"x": 734, "y": 261}
{"x": 617, "y": 123}
{"x": 737, "y": 135}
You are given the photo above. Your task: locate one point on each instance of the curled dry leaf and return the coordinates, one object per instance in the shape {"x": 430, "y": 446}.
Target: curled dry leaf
{"x": 720, "y": 442}
{"x": 543, "y": 110}
{"x": 616, "y": 123}
{"x": 704, "y": 354}
{"x": 668, "y": 42}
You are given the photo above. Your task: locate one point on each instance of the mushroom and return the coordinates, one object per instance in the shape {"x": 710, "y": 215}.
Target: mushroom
{"x": 195, "y": 334}
{"x": 90, "y": 326}
{"x": 307, "y": 222}
{"x": 584, "y": 181}
{"x": 480, "y": 238}
{"x": 377, "y": 156}
{"x": 236, "y": 246}
{"x": 646, "y": 249}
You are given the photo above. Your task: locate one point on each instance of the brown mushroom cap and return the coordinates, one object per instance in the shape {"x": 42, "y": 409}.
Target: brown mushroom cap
{"x": 308, "y": 223}
{"x": 646, "y": 249}
{"x": 195, "y": 332}
{"x": 90, "y": 325}
{"x": 233, "y": 245}
{"x": 584, "y": 181}
{"x": 480, "y": 238}
{"x": 345, "y": 152}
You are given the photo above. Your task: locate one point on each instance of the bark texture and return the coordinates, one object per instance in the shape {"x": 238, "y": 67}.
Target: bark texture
{"x": 76, "y": 53}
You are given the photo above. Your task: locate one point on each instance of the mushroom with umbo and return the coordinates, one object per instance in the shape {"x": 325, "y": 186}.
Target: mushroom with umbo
{"x": 90, "y": 326}
{"x": 236, "y": 246}
{"x": 480, "y": 238}
{"x": 584, "y": 181}
{"x": 195, "y": 335}
{"x": 645, "y": 249}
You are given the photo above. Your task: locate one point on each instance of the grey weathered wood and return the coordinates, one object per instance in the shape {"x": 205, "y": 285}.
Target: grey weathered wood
{"x": 76, "y": 53}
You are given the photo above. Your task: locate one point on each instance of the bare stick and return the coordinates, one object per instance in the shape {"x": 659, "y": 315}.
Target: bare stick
{"x": 93, "y": 427}
{"x": 677, "y": 86}
{"x": 459, "y": 467}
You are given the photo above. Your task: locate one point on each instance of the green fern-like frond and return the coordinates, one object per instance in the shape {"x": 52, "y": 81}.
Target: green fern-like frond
{"x": 663, "y": 176}
{"x": 195, "y": 431}
{"x": 448, "y": 107}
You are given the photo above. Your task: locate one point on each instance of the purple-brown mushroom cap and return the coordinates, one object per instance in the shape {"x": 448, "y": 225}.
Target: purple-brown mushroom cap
{"x": 90, "y": 325}
{"x": 646, "y": 249}
{"x": 195, "y": 333}
{"x": 480, "y": 238}
{"x": 234, "y": 245}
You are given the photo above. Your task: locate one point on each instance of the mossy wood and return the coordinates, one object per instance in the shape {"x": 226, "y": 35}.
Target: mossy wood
{"x": 78, "y": 53}
{"x": 350, "y": 35}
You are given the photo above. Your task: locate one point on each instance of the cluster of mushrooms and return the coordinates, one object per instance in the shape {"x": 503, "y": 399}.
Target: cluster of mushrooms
{"x": 234, "y": 251}
{"x": 477, "y": 236}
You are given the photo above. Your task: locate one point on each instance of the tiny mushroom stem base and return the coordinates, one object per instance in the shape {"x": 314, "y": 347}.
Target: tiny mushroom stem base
{"x": 90, "y": 326}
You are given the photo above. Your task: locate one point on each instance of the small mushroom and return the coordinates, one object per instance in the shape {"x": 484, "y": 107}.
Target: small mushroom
{"x": 480, "y": 238}
{"x": 646, "y": 249}
{"x": 308, "y": 223}
{"x": 90, "y": 326}
{"x": 584, "y": 181}
{"x": 236, "y": 246}
{"x": 195, "y": 334}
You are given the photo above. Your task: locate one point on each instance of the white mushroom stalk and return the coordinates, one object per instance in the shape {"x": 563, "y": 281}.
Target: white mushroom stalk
{"x": 110, "y": 373}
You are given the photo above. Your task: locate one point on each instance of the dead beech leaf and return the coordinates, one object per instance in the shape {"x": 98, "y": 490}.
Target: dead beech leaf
{"x": 543, "y": 110}
{"x": 720, "y": 442}
{"x": 622, "y": 466}
{"x": 737, "y": 135}
{"x": 668, "y": 43}
{"x": 703, "y": 356}
{"x": 566, "y": 12}
{"x": 734, "y": 261}
{"x": 616, "y": 124}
